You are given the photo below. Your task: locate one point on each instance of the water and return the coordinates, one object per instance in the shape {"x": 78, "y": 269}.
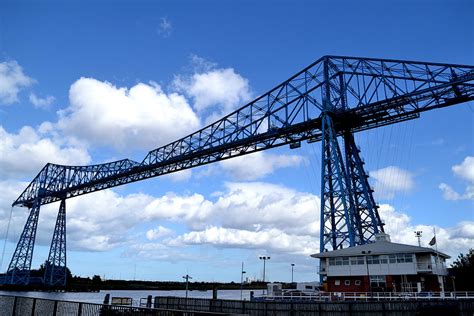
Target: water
{"x": 98, "y": 297}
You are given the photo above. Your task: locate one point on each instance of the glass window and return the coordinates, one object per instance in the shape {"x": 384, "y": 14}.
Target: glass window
{"x": 347, "y": 282}
{"x": 392, "y": 258}
{"x": 373, "y": 260}
{"x": 345, "y": 261}
{"x": 383, "y": 259}
{"x": 357, "y": 282}
{"x": 337, "y": 282}
{"x": 357, "y": 260}
{"x": 332, "y": 261}
{"x": 408, "y": 258}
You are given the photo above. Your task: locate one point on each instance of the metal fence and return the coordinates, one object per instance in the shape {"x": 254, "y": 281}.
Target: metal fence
{"x": 22, "y": 306}
{"x": 306, "y": 308}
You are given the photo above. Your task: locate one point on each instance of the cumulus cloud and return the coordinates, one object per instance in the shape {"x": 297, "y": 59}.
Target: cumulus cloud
{"x": 272, "y": 240}
{"x": 26, "y": 152}
{"x": 12, "y": 81}
{"x": 465, "y": 171}
{"x": 254, "y": 166}
{"x": 391, "y": 180}
{"x": 41, "y": 103}
{"x": 159, "y": 232}
{"x": 216, "y": 91}
{"x": 140, "y": 117}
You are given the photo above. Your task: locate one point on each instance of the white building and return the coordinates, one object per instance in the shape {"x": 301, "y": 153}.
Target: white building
{"x": 383, "y": 266}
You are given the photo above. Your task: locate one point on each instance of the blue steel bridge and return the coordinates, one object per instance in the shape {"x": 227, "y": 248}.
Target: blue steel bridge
{"x": 326, "y": 102}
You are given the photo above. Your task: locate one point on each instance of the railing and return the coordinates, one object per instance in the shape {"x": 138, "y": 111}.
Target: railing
{"x": 367, "y": 296}
{"x": 17, "y": 305}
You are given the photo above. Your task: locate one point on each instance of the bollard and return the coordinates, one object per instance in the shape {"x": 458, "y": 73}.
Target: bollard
{"x": 214, "y": 293}
{"x": 148, "y": 301}
{"x": 106, "y": 299}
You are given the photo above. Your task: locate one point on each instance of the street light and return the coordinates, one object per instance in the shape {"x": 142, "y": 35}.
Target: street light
{"x": 242, "y": 280}
{"x": 292, "y": 266}
{"x": 264, "y": 258}
{"x": 367, "y": 266}
{"x": 418, "y": 235}
{"x": 187, "y": 277}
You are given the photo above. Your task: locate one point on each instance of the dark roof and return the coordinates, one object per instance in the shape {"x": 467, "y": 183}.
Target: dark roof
{"x": 378, "y": 248}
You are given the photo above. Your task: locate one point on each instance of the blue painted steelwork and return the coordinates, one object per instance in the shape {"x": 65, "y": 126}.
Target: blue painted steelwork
{"x": 333, "y": 97}
{"x": 55, "y": 267}
{"x": 19, "y": 269}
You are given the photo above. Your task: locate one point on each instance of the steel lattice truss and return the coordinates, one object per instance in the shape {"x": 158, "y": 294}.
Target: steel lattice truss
{"x": 333, "y": 97}
{"x": 55, "y": 267}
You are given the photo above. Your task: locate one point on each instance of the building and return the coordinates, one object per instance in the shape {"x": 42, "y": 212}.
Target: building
{"x": 383, "y": 266}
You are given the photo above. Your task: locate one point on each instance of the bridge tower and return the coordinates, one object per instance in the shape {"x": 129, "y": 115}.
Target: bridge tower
{"x": 55, "y": 273}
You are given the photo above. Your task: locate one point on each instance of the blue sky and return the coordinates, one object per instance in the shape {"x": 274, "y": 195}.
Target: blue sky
{"x": 88, "y": 82}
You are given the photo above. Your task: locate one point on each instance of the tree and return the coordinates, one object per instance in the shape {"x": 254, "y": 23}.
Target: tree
{"x": 462, "y": 270}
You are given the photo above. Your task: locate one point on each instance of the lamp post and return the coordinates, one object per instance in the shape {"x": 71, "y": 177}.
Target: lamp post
{"x": 187, "y": 277}
{"x": 242, "y": 280}
{"x": 367, "y": 266}
{"x": 292, "y": 266}
{"x": 418, "y": 235}
{"x": 264, "y": 258}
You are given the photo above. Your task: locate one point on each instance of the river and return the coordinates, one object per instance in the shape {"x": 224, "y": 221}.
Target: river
{"x": 98, "y": 297}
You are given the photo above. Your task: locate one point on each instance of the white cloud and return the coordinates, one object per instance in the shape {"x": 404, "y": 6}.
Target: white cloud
{"x": 28, "y": 151}
{"x": 254, "y": 166}
{"x": 12, "y": 80}
{"x": 272, "y": 240}
{"x": 165, "y": 27}
{"x": 41, "y": 103}
{"x": 140, "y": 117}
{"x": 159, "y": 232}
{"x": 217, "y": 91}
{"x": 465, "y": 170}
{"x": 258, "y": 206}
{"x": 391, "y": 180}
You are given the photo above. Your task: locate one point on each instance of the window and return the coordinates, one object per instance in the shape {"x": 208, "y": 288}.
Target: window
{"x": 377, "y": 281}
{"x": 308, "y": 287}
{"x": 339, "y": 261}
{"x": 373, "y": 259}
{"x": 357, "y": 282}
{"x": 337, "y": 282}
{"x": 384, "y": 259}
{"x": 347, "y": 282}
{"x": 357, "y": 260}
{"x": 392, "y": 258}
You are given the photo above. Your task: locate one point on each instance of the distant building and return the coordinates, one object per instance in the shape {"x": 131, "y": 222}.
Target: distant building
{"x": 383, "y": 266}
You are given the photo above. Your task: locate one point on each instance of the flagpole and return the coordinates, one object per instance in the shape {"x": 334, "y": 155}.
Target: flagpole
{"x": 437, "y": 258}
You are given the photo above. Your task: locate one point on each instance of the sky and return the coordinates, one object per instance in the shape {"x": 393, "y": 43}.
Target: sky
{"x": 90, "y": 82}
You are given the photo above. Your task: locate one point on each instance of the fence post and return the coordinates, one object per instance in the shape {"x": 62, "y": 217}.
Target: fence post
{"x": 350, "y": 309}
{"x": 33, "y": 307}
{"x": 55, "y": 308}
{"x": 79, "y": 310}
{"x": 14, "y": 306}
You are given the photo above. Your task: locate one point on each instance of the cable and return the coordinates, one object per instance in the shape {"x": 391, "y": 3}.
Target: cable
{"x": 6, "y": 238}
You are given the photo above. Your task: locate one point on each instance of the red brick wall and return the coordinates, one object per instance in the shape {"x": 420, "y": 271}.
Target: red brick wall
{"x": 332, "y": 287}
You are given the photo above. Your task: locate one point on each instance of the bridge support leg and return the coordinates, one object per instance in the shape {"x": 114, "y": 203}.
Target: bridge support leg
{"x": 55, "y": 267}
{"x": 349, "y": 214}
{"x": 19, "y": 269}
{"x": 337, "y": 229}
{"x": 366, "y": 217}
